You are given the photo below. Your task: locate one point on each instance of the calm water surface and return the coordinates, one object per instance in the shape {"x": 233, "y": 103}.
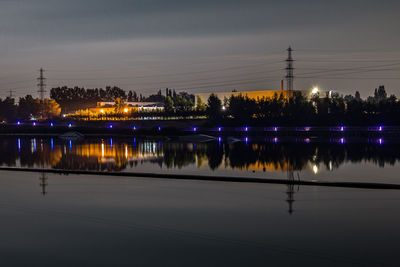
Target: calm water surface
{"x": 114, "y": 221}
{"x": 338, "y": 160}
{"x": 83, "y": 220}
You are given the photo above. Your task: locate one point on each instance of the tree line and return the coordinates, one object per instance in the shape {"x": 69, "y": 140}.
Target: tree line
{"x": 324, "y": 110}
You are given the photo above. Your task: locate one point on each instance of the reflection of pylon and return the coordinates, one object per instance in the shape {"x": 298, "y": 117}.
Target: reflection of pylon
{"x": 290, "y": 191}
{"x": 43, "y": 183}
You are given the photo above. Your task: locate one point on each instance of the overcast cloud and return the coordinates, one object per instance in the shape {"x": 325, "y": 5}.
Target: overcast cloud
{"x": 199, "y": 45}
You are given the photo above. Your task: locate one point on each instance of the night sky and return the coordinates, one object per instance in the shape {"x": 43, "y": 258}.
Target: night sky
{"x": 199, "y": 46}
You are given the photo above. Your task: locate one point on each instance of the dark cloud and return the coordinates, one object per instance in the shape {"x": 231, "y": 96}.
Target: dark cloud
{"x": 164, "y": 35}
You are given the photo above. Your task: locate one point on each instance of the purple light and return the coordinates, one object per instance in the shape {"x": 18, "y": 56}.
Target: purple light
{"x": 307, "y": 128}
{"x": 219, "y": 139}
{"x": 342, "y": 141}
{"x": 246, "y": 129}
{"x": 194, "y": 129}
{"x": 18, "y": 123}
{"x": 276, "y": 140}
{"x": 110, "y": 126}
{"x": 342, "y": 129}
{"x": 307, "y": 140}
{"x": 219, "y": 129}
{"x": 380, "y": 141}
{"x": 134, "y": 128}
{"x": 380, "y": 128}
{"x": 275, "y": 129}
{"x": 34, "y": 123}
{"x": 51, "y": 124}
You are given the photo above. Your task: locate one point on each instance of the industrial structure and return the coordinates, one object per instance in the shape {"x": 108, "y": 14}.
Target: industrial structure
{"x": 285, "y": 92}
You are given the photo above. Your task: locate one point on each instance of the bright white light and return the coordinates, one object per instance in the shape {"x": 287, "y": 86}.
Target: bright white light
{"x": 315, "y": 90}
{"x": 126, "y": 110}
{"x": 315, "y": 169}
{"x": 223, "y": 108}
{"x": 102, "y": 111}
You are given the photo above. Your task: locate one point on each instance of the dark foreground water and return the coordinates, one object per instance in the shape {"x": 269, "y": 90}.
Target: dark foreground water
{"x": 90, "y": 220}
{"x": 113, "y": 221}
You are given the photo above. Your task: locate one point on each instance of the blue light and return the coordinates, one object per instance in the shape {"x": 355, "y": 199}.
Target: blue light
{"x": 19, "y": 145}
{"x": 18, "y": 123}
{"x": 69, "y": 125}
{"x": 111, "y": 143}
{"x": 34, "y": 123}
{"x": 276, "y": 140}
{"x": 219, "y": 139}
{"x": 307, "y": 140}
{"x": 246, "y": 129}
{"x": 134, "y": 128}
{"x": 306, "y": 129}
{"x": 70, "y": 145}
{"x": 342, "y": 141}
{"x": 342, "y": 129}
{"x": 51, "y": 124}
{"x": 380, "y": 128}
{"x": 52, "y": 144}
{"x": 246, "y": 140}
{"x": 194, "y": 129}
{"x": 275, "y": 129}
{"x": 380, "y": 141}
{"x": 159, "y": 128}
{"x": 110, "y": 126}
{"x": 219, "y": 129}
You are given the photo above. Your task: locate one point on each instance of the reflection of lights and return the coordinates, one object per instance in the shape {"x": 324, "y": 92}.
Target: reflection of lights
{"x": 380, "y": 128}
{"x": 18, "y": 123}
{"x": 111, "y": 143}
{"x": 219, "y": 129}
{"x": 102, "y": 150}
{"x": 52, "y": 144}
{"x": 194, "y": 129}
{"x": 246, "y": 129}
{"x": 34, "y": 123}
{"x": 110, "y": 126}
{"x": 70, "y": 145}
{"x": 126, "y": 151}
{"x": 307, "y": 140}
{"x": 275, "y": 129}
{"x": 219, "y": 139}
{"x": 159, "y": 128}
{"x": 134, "y": 128}
{"x": 126, "y": 110}
{"x": 330, "y": 165}
{"x": 342, "y": 129}
{"x": 33, "y": 145}
{"x": 69, "y": 125}
{"x": 315, "y": 169}
{"x": 51, "y": 124}
{"x": 380, "y": 141}
{"x": 342, "y": 141}
{"x": 307, "y": 128}
{"x": 19, "y": 145}
{"x": 246, "y": 140}
{"x": 276, "y": 140}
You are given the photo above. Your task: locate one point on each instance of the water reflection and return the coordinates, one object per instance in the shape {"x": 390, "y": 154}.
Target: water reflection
{"x": 121, "y": 154}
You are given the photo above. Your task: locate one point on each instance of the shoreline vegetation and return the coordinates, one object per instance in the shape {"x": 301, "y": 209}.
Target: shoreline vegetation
{"x": 179, "y": 112}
